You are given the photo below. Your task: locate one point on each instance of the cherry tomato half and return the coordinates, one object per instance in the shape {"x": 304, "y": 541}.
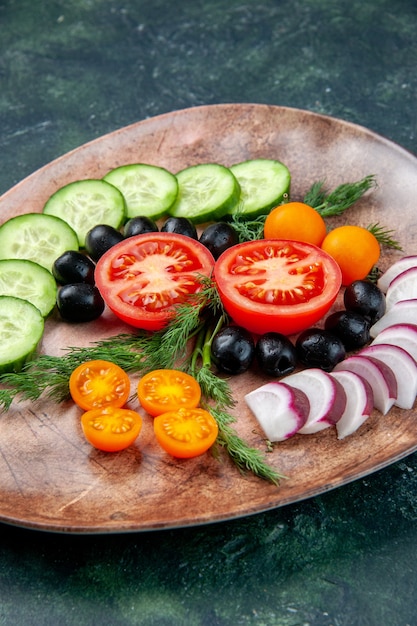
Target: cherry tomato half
{"x": 142, "y": 278}
{"x": 111, "y": 428}
{"x": 273, "y": 285}
{"x": 165, "y": 390}
{"x": 98, "y": 383}
{"x": 185, "y": 433}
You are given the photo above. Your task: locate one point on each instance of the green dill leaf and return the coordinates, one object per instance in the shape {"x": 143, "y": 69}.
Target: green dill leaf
{"x": 341, "y": 198}
{"x": 245, "y": 457}
{"x": 248, "y": 230}
{"x": 316, "y": 195}
{"x": 384, "y": 236}
{"x": 214, "y": 387}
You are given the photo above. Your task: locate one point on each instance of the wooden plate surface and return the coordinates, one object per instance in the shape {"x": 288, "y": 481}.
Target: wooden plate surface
{"x": 51, "y": 479}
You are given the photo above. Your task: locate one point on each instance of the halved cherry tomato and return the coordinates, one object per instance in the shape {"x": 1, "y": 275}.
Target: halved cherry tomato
{"x": 165, "y": 390}
{"x": 276, "y": 285}
{"x": 186, "y": 433}
{"x": 111, "y": 428}
{"x": 142, "y": 278}
{"x": 99, "y": 383}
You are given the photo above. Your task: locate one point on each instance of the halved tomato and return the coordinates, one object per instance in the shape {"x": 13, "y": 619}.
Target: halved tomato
{"x": 142, "y": 278}
{"x": 99, "y": 383}
{"x": 276, "y": 285}
{"x": 186, "y": 433}
{"x": 165, "y": 390}
{"x": 111, "y": 428}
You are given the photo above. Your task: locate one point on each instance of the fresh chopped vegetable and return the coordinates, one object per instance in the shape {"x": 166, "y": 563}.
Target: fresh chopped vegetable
{"x": 29, "y": 281}
{"x": 402, "y": 312}
{"x": 402, "y": 287}
{"x": 99, "y": 383}
{"x": 207, "y": 192}
{"x": 399, "y": 266}
{"x": 21, "y": 330}
{"x": 163, "y": 390}
{"x": 359, "y": 402}
{"x": 111, "y": 428}
{"x": 280, "y": 409}
{"x": 404, "y": 368}
{"x": 143, "y": 278}
{"x": 378, "y": 374}
{"x": 148, "y": 190}
{"x": 36, "y": 237}
{"x": 276, "y": 285}
{"x": 327, "y": 398}
{"x": 264, "y": 184}
{"x": 84, "y": 203}
{"x": 186, "y": 433}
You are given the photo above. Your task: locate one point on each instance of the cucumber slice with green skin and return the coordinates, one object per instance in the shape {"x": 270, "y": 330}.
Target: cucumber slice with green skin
{"x": 264, "y": 183}
{"x": 21, "y": 331}
{"x": 29, "y": 281}
{"x": 36, "y": 237}
{"x": 148, "y": 190}
{"x": 207, "y": 192}
{"x": 85, "y": 203}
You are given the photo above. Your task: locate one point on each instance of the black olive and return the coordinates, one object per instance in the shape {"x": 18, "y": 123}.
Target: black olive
{"x": 139, "y": 225}
{"x": 181, "y": 226}
{"x": 351, "y": 328}
{"x": 233, "y": 350}
{"x": 73, "y": 267}
{"x": 219, "y": 237}
{"x": 100, "y": 239}
{"x": 319, "y": 348}
{"x": 365, "y": 298}
{"x": 79, "y": 302}
{"x": 275, "y": 354}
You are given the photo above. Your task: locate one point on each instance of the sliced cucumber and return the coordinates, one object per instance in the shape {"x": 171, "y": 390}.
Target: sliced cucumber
{"x": 21, "y": 330}
{"x": 84, "y": 204}
{"x": 29, "y": 281}
{"x": 36, "y": 237}
{"x": 263, "y": 183}
{"x": 207, "y": 192}
{"x": 148, "y": 190}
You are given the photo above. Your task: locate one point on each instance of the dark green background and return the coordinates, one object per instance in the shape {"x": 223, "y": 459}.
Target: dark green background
{"x": 72, "y": 71}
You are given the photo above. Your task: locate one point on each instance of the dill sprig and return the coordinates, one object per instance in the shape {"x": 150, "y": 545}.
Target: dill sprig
{"x": 341, "y": 198}
{"x": 384, "y": 236}
{"x": 248, "y": 229}
{"x": 245, "y": 457}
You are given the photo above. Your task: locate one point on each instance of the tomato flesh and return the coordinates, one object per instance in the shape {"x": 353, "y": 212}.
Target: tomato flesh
{"x": 274, "y": 285}
{"x": 165, "y": 390}
{"x": 186, "y": 433}
{"x": 99, "y": 383}
{"x": 111, "y": 428}
{"x": 144, "y": 277}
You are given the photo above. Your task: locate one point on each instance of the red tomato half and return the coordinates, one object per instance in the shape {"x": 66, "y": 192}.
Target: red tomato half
{"x": 276, "y": 285}
{"x": 142, "y": 278}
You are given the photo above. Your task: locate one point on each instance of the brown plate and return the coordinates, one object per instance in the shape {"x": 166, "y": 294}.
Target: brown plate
{"x": 51, "y": 479}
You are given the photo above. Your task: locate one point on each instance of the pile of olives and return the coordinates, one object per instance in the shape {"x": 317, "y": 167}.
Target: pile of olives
{"x": 234, "y": 350}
